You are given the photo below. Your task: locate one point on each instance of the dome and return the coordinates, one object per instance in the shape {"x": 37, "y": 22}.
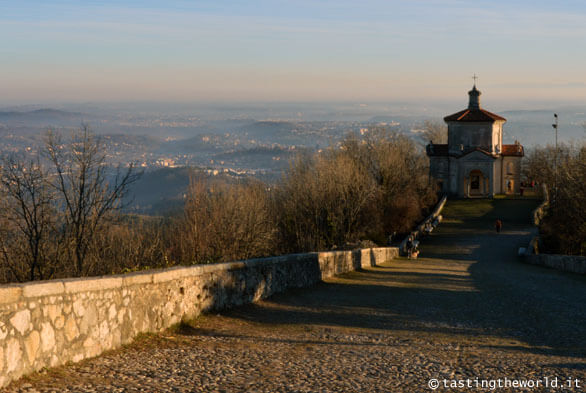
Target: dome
{"x": 474, "y": 102}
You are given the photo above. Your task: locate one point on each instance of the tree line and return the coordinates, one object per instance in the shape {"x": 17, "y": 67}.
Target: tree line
{"x": 61, "y": 212}
{"x": 563, "y": 229}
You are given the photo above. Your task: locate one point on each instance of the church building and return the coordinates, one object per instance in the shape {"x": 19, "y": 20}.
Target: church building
{"x": 475, "y": 163}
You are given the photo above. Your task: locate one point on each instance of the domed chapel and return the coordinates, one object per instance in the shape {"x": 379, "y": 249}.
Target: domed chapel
{"x": 475, "y": 163}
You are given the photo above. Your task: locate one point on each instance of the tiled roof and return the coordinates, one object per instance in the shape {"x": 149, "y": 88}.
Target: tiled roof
{"x": 474, "y": 115}
{"x": 513, "y": 150}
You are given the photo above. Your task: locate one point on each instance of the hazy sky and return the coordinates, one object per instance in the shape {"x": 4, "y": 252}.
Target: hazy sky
{"x": 307, "y": 50}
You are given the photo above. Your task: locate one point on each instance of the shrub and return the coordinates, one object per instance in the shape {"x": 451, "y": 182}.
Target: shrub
{"x": 224, "y": 222}
{"x": 564, "y": 227}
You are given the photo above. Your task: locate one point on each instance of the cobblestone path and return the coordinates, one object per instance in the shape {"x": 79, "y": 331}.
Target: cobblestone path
{"x": 468, "y": 308}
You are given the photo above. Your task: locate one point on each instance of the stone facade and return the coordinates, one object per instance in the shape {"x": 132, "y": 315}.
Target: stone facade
{"x": 46, "y": 324}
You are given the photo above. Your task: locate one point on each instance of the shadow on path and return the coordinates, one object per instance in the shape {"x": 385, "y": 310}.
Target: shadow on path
{"x": 469, "y": 283}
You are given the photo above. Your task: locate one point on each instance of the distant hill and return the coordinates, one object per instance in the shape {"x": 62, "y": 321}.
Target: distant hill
{"x": 160, "y": 190}
{"x": 276, "y": 158}
{"x": 43, "y": 117}
{"x": 270, "y": 129}
{"x": 199, "y": 143}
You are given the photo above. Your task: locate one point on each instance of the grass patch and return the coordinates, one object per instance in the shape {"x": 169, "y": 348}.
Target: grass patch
{"x": 463, "y": 211}
{"x": 460, "y": 209}
{"x": 527, "y": 195}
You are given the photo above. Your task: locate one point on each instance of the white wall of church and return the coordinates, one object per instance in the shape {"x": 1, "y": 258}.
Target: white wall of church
{"x": 475, "y": 162}
{"x": 497, "y": 136}
{"x": 512, "y": 174}
{"x": 497, "y": 179}
{"x": 507, "y": 175}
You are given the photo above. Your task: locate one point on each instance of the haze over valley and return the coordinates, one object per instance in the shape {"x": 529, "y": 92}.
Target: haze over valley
{"x": 238, "y": 140}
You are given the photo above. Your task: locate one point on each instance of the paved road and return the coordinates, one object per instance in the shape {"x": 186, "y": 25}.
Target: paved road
{"x": 468, "y": 308}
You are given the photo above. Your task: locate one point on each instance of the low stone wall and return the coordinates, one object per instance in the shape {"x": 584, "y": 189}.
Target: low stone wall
{"x": 541, "y": 210}
{"x": 419, "y": 230}
{"x": 50, "y": 323}
{"x": 567, "y": 263}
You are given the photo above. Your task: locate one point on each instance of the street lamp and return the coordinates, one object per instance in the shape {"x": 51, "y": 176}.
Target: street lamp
{"x": 555, "y": 163}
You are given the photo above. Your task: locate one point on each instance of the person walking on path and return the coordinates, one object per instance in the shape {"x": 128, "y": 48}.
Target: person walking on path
{"x": 409, "y": 246}
{"x": 498, "y": 225}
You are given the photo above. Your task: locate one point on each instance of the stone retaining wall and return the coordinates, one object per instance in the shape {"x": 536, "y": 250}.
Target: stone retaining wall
{"x": 567, "y": 263}
{"x": 50, "y": 323}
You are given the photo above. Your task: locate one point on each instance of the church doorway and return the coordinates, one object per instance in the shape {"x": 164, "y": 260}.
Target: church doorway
{"x": 510, "y": 186}
{"x": 477, "y": 184}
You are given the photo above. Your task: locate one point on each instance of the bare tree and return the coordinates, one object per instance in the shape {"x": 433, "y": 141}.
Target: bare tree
{"x": 397, "y": 164}
{"x": 564, "y": 228}
{"x": 325, "y": 202}
{"x": 87, "y": 193}
{"x": 368, "y": 189}
{"x": 28, "y": 214}
{"x": 434, "y": 131}
{"x": 133, "y": 243}
{"x": 224, "y": 222}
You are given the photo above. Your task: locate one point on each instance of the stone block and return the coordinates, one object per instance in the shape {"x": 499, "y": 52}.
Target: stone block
{"x": 10, "y": 293}
{"x": 173, "y": 274}
{"x": 13, "y": 355}
{"x": 89, "y": 320}
{"x": 59, "y": 322}
{"x": 47, "y": 337}
{"x": 365, "y": 256}
{"x": 47, "y": 288}
{"x": 71, "y": 331}
{"x": 78, "y": 308}
{"x": 52, "y": 311}
{"x": 112, "y": 312}
{"x": 31, "y": 346}
{"x": 137, "y": 279}
{"x": 21, "y": 321}
{"x": 200, "y": 270}
{"x": 92, "y": 284}
{"x": 3, "y": 330}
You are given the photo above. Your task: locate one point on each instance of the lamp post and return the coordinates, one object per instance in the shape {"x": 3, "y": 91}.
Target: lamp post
{"x": 555, "y": 163}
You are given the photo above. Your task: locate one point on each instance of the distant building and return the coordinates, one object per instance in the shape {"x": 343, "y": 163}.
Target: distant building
{"x": 475, "y": 163}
